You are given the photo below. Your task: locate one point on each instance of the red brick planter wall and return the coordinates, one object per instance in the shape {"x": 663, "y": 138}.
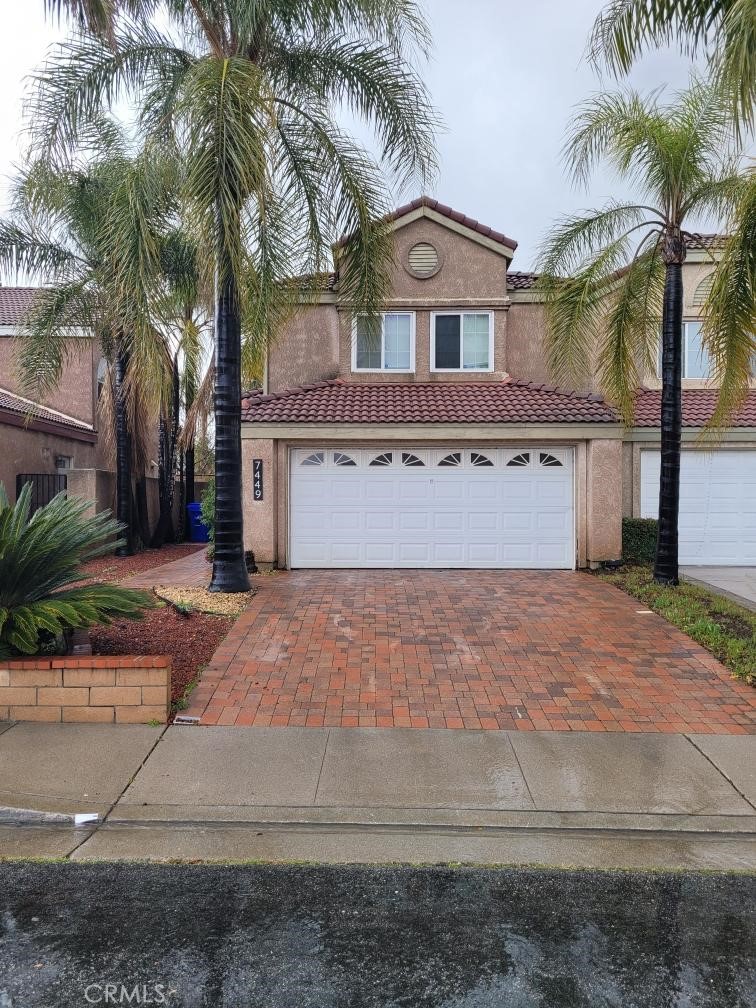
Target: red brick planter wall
{"x": 108, "y": 690}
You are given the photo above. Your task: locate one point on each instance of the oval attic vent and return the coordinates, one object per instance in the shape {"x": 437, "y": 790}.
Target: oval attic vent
{"x": 423, "y": 259}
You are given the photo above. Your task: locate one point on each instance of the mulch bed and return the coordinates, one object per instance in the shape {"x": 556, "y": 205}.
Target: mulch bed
{"x": 189, "y": 640}
{"x": 113, "y": 568}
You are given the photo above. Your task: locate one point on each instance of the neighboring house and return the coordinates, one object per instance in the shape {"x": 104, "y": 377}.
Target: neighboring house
{"x": 438, "y": 441}
{"x": 44, "y": 440}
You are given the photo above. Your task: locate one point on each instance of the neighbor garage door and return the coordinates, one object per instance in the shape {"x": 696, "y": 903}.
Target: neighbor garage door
{"x": 717, "y": 504}
{"x": 432, "y": 508}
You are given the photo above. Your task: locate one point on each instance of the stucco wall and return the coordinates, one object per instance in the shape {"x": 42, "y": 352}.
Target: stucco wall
{"x": 306, "y": 350}
{"x": 468, "y": 270}
{"x": 525, "y": 358}
{"x": 75, "y": 395}
{"x": 29, "y": 451}
{"x": 260, "y": 516}
{"x": 316, "y": 344}
{"x": 604, "y": 500}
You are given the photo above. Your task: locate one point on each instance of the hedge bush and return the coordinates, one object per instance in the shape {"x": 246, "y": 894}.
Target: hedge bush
{"x": 639, "y": 540}
{"x": 207, "y": 508}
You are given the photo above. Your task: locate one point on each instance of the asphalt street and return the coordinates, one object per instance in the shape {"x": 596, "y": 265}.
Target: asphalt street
{"x": 285, "y": 936}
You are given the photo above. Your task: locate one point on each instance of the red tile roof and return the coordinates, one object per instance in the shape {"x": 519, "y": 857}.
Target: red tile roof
{"x": 13, "y": 403}
{"x": 698, "y": 406}
{"x": 447, "y": 211}
{"x": 705, "y": 241}
{"x": 520, "y": 281}
{"x": 15, "y": 302}
{"x": 506, "y": 401}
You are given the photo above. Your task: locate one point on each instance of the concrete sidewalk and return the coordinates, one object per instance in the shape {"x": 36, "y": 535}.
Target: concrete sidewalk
{"x": 736, "y": 583}
{"x": 352, "y": 795}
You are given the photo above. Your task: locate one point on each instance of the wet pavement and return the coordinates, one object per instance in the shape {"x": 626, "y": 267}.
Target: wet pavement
{"x": 250, "y": 936}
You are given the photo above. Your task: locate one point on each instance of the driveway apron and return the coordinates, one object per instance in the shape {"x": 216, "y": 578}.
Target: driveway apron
{"x": 520, "y": 650}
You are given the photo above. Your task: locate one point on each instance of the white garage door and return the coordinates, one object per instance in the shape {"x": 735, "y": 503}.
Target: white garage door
{"x": 717, "y": 504}
{"x": 432, "y": 508}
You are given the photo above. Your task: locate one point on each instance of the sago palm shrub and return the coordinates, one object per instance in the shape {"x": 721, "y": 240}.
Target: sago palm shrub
{"x": 41, "y": 558}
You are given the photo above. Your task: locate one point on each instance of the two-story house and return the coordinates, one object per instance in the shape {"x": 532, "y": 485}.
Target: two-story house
{"x": 437, "y": 440}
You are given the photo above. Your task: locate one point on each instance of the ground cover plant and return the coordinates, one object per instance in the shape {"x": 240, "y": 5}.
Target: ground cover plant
{"x": 724, "y": 628}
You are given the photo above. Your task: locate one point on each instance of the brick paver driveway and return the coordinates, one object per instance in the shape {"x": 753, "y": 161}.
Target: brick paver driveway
{"x": 463, "y": 649}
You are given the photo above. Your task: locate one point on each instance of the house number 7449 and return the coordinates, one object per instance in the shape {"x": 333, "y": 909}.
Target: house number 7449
{"x": 257, "y": 479}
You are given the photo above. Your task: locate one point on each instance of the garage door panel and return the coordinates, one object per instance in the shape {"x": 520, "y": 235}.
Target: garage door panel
{"x": 448, "y": 521}
{"x": 551, "y": 521}
{"x": 717, "y": 504}
{"x": 417, "y": 552}
{"x": 449, "y": 553}
{"x": 451, "y": 491}
{"x": 380, "y": 521}
{"x": 483, "y": 521}
{"x": 483, "y": 491}
{"x": 430, "y": 516}
{"x": 379, "y": 553}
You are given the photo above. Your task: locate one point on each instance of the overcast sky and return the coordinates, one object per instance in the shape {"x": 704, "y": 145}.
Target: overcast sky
{"x": 505, "y": 76}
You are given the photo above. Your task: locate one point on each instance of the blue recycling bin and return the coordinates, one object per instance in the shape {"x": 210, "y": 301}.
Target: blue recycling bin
{"x": 198, "y": 531}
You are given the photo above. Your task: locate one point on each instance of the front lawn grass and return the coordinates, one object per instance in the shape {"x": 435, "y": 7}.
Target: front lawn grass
{"x": 724, "y": 628}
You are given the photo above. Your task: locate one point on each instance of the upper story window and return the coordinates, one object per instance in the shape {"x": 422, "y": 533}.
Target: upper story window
{"x": 696, "y": 362}
{"x": 384, "y": 343}
{"x": 462, "y": 341}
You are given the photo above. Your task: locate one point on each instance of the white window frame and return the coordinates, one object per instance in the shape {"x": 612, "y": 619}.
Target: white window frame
{"x": 686, "y": 323}
{"x": 383, "y": 369}
{"x": 462, "y": 370}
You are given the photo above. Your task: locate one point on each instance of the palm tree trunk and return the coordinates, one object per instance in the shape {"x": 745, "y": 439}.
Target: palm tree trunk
{"x": 168, "y": 425}
{"x": 229, "y": 570}
{"x": 665, "y": 563}
{"x": 123, "y": 454}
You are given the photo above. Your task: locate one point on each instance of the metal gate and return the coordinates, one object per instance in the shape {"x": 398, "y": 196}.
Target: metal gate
{"x": 44, "y": 487}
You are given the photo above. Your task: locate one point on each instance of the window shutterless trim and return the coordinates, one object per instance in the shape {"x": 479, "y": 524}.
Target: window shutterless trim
{"x": 382, "y": 369}
{"x": 461, "y": 369}
{"x": 685, "y": 377}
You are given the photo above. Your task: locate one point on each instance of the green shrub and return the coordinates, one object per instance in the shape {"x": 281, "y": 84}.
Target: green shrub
{"x": 40, "y": 565}
{"x": 207, "y": 507}
{"x": 639, "y": 540}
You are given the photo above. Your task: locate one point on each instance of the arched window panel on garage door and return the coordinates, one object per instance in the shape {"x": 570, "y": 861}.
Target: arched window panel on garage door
{"x": 384, "y": 459}
{"x": 547, "y": 459}
{"x": 519, "y": 460}
{"x": 479, "y": 459}
{"x": 312, "y": 459}
{"x": 451, "y": 459}
{"x": 342, "y": 459}
{"x": 410, "y": 459}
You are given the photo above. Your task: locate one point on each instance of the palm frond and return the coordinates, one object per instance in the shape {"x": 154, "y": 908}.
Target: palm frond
{"x": 729, "y": 330}
{"x": 629, "y": 339}
{"x": 376, "y": 84}
{"x": 724, "y": 30}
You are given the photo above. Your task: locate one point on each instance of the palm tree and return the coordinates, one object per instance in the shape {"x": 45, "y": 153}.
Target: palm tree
{"x": 184, "y": 314}
{"x": 247, "y": 95}
{"x": 601, "y": 310}
{"x": 90, "y": 234}
{"x": 725, "y": 30}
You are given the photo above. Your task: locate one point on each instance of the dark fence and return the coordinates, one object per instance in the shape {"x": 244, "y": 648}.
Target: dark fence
{"x": 44, "y": 487}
